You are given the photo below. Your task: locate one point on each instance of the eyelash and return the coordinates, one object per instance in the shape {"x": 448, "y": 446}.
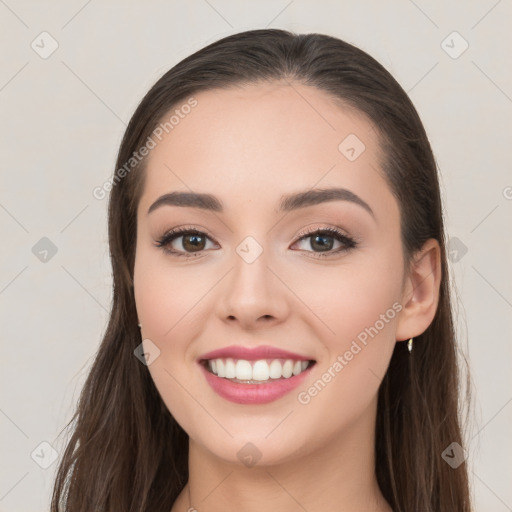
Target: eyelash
{"x": 171, "y": 235}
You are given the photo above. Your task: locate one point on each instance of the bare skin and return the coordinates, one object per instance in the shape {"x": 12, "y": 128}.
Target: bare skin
{"x": 249, "y": 146}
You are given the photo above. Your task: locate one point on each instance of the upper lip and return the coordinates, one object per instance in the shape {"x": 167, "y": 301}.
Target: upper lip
{"x": 253, "y": 353}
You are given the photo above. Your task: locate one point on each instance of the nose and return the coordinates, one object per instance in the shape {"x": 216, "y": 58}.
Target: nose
{"x": 253, "y": 295}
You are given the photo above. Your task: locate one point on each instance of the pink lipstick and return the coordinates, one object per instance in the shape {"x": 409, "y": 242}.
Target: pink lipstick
{"x": 254, "y": 375}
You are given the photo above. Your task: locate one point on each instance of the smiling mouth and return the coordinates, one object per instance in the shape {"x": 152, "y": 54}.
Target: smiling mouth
{"x": 260, "y": 371}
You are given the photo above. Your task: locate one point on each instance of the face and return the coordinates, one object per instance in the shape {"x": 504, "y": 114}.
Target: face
{"x": 320, "y": 280}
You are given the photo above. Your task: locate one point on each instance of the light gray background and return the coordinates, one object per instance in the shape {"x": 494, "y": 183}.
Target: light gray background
{"x": 62, "y": 121}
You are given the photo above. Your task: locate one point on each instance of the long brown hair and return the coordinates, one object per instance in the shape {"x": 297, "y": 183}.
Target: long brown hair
{"x": 126, "y": 452}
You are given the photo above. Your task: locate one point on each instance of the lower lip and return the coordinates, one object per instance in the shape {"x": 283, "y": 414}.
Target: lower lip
{"x": 253, "y": 393}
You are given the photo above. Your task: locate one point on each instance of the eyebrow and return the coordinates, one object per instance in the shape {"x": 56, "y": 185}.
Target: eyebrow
{"x": 287, "y": 203}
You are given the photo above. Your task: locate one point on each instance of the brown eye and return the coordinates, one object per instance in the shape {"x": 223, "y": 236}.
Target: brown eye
{"x": 192, "y": 244}
{"x": 322, "y": 241}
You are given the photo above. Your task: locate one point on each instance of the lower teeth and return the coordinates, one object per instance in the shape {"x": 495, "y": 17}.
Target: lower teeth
{"x": 253, "y": 381}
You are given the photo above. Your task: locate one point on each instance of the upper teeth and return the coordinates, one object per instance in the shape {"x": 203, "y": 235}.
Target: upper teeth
{"x": 263, "y": 369}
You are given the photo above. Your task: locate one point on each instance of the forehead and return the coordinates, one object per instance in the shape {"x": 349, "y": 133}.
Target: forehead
{"x": 261, "y": 140}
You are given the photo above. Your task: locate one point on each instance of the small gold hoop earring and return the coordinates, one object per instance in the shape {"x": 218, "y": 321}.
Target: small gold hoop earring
{"x": 409, "y": 345}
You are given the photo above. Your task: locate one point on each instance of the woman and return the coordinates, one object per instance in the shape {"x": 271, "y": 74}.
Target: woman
{"x": 281, "y": 334}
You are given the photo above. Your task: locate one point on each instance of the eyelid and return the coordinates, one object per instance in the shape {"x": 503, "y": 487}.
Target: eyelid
{"x": 182, "y": 230}
{"x": 338, "y": 233}
{"x": 177, "y": 232}
{"x": 322, "y": 227}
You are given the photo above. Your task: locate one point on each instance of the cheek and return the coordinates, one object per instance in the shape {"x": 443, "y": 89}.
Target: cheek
{"x": 362, "y": 302}
{"x": 357, "y": 355}
{"x": 359, "y": 307}
{"x": 168, "y": 302}
{"x": 352, "y": 297}
{"x": 364, "y": 320}
{"x": 166, "y": 295}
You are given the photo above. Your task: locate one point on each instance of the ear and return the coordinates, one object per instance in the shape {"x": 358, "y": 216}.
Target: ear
{"x": 420, "y": 295}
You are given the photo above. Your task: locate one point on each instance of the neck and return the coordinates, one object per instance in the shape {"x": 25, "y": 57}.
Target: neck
{"x": 337, "y": 476}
